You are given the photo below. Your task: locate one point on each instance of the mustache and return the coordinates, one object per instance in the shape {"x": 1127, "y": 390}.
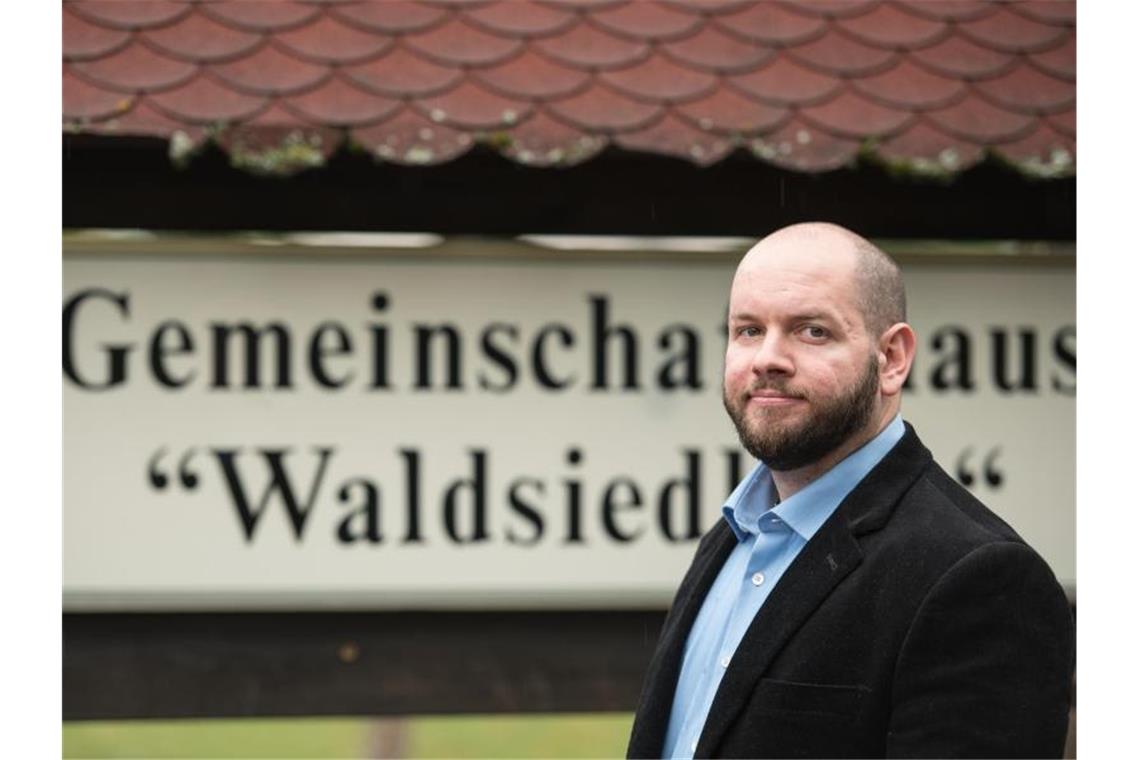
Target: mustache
{"x": 782, "y": 388}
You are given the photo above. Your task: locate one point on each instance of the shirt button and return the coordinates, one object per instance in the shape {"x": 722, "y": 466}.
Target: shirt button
{"x": 724, "y": 661}
{"x": 757, "y": 579}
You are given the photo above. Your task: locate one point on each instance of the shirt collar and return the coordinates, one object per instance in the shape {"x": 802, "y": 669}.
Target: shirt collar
{"x": 746, "y": 508}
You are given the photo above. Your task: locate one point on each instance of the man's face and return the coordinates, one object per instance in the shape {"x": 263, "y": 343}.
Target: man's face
{"x": 801, "y": 375}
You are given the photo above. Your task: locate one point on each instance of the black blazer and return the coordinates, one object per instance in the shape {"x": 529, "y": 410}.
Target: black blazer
{"x": 914, "y": 623}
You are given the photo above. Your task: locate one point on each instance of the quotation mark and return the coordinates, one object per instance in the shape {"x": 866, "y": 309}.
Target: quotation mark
{"x": 157, "y": 473}
{"x": 968, "y": 474}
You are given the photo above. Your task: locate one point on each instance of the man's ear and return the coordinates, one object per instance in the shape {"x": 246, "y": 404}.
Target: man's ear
{"x": 897, "y": 347}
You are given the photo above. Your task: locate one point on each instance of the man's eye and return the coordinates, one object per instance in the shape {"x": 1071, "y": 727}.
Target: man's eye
{"x": 816, "y": 332}
{"x": 748, "y": 332}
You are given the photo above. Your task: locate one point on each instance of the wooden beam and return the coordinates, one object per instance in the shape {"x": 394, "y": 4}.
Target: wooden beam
{"x": 180, "y": 665}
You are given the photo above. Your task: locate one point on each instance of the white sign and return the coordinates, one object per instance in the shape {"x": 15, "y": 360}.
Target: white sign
{"x": 513, "y": 429}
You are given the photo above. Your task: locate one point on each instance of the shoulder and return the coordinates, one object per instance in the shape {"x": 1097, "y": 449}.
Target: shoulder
{"x": 937, "y": 504}
{"x": 925, "y": 509}
{"x": 941, "y": 542}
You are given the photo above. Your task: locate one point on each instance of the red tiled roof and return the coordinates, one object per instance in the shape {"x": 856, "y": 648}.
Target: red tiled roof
{"x": 811, "y": 85}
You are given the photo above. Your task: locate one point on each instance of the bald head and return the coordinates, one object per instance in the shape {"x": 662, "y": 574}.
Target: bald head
{"x": 878, "y": 281}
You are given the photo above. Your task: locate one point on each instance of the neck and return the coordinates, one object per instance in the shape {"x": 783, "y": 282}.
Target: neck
{"x": 790, "y": 482}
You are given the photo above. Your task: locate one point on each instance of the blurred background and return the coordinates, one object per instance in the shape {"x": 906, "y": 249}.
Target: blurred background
{"x": 393, "y": 330}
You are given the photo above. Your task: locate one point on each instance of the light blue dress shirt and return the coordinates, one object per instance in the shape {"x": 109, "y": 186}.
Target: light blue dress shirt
{"x": 770, "y": 537}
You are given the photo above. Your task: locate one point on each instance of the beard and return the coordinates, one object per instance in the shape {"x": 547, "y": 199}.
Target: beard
{"x": 783, "y": 445}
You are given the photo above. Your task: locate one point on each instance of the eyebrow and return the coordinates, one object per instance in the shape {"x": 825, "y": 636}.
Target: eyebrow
{"x": 801, "y": 317}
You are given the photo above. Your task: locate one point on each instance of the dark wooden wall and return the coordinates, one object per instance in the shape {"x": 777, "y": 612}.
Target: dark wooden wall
{"x": 118, "y": 666}
{"x": 131, "y": 183}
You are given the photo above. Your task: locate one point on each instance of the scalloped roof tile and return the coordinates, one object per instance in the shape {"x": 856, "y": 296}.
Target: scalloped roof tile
{"x": 1049, "y": 11}
{"x": 328, "y": 41}
{"x": 472, "y": 107}
{"x": 784, "y": 81}
{"x": 977, "y": 120}
{"x": 1059, "y": 62}
{"x": 1013, "y": 33}
{"x": 84, "y": 101}
{"x": 409, "y": 138}
{"x": 199, "y": 39}
{"x": 834, "y": 8}
{"x": 726, "y": 111}
{"x": 713, "y": 50}
{"x": 131, "y": 14}
{"x": 84, "y": 40}
{"x": 390, "y": 17}
{"x": 855, "y": 116}
{"x": 588, "y": 47}
{"x": 950, "y": 10}
{"x": 341, "y": 104}
{"x": 931, "y": 149}
{"x": 647, "y": 21}
{"x": 1044, "y": 145}
{"x": 1066, "y": 122}
{"x": 261, "y": 17}
{"x": 711, "y": 7}
{"x": 524, "y": 18}
{"x": 890, "y": 27}
{"x": 804, "y": 84}
{"x": 269, "y": 71}
{"x": 543, "y": 141}
{"x": 658, "y": 78}
{"x": 959, "y": 57}
{"x": 207, "y": 100}
{"x": 910, "y": 87}
{"x": 401, "y": 73}
{"x": 600, "y": 109}
{"x": 841, "y": 54}
{"x": 801, "y": 147}
{"x": 135, "y": 68}
{"x": 772, "y": 24}
{"x": 143, "y": 119}
{"x": 1026, "y": 88}
{"x": 534, "y": 77}
{"x": 673, "y": 137}
{"x": 458, "y": 43}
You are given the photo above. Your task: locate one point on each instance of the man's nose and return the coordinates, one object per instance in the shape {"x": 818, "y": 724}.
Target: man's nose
{"x": 773, "y": 355}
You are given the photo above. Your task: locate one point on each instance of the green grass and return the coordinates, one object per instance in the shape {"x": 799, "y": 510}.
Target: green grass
{"x": 518, "y": 736}
{"x": 467, "y": 736}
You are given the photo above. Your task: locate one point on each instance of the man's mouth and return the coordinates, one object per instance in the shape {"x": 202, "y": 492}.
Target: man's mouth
{"x": 766, "y": 397}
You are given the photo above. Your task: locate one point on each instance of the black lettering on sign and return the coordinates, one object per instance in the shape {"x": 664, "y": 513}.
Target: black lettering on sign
{"x": 682, "y": 370}
{"x": 612, "y": 505}
{"x": 281, "y": 352}
{"x": 603, "y": 333}
{"x": 116, "y": 373}
{"x": 1006, "y": 357}
{"x": 954, "y": 369}
{"x": 319, "y": 351}
{"x": 690, "y": 484}
{"x": 1065, "y": 349}
{"x": 362, "y": 523}
{"x": 500, "y": 355}
{"x": 476, "y": 487}
{"x": 280, "y": 485}
{"x": 526, "y": 509}
{"x": 966, "y": 471}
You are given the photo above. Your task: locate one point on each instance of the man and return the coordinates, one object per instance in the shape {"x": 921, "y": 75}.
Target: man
{"x": 855, "y": 601}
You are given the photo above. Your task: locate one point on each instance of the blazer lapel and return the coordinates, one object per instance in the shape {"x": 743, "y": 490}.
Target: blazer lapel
{"x": 648, "y": 734}
{"x": 827, "y": 558}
